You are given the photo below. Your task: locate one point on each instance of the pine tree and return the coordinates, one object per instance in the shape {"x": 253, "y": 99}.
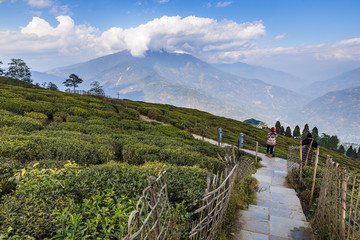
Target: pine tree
{"x": 350, "y": 151}
{"x": 278, "y": 126}
{"x": 1, "y": 70}
{"x": 73, "y": 81}
{"x": 341, "y": 149}
{"x": 315, "y": 133}
{"x": 288, "y": 132}
{"x": 281, "y": 130}
{"x": 305, "y": 131}
{"x": 19, "y": 70}
{"x": 296, "y": 133}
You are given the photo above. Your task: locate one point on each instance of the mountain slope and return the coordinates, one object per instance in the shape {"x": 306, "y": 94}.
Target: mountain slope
{"x": 346, "y": 80}
{"x": 268, "y": 75}
{"x": 184, "y": 73}
{"x": 338, "y": 112}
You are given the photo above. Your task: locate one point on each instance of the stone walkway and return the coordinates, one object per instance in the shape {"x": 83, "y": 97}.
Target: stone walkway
{"x": 278, "y": 213}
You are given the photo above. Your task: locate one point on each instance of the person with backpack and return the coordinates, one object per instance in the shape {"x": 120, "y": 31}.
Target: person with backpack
{"x": 271, "y": 142}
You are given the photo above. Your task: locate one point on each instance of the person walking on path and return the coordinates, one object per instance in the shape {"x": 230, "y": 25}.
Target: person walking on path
{"x": 309, "y": 144}
{"x": 271, "y": 142}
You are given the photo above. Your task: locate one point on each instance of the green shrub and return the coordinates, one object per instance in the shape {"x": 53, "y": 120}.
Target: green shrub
{"x": 72, "y": 126}
{"x": 94, "y": 201}
{"x": 29, "y": 148}
{"x": 78, "y": 111}
{"x": 36, "y": 115}
{"x": 16, "y": 105}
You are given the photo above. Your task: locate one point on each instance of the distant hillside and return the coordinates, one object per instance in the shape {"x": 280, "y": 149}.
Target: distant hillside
{"x": 338, "y": 112}
{"x": 184, "y": 80}
{"x": 270, "y": 76}
{"x": 346, "y": 80}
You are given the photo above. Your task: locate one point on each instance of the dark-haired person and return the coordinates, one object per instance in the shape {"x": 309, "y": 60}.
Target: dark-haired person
{"x": 271, "y": 142}
{"x": 309, "y": 145}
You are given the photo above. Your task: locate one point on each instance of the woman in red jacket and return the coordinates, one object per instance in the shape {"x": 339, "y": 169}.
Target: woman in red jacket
{"x": 271, "y": 142}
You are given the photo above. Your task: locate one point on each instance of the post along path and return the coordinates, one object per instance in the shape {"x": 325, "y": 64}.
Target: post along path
{"x": 278, "y": 213}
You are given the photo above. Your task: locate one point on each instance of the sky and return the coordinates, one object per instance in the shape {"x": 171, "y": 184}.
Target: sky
{"x": 312, "y": 39}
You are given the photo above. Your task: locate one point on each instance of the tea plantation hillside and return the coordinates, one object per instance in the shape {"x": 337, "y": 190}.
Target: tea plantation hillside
{"x": 73, "y": 166}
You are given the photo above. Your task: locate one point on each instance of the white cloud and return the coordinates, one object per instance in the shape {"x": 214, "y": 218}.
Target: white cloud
{"x": 206, "y": 38}
{"x": 163, "y": 1}
{"x": 223, "y": 4}
{"x": 40, "y": 3}
{"x": 280, "y": 36}
{"x": 58, "y": 10}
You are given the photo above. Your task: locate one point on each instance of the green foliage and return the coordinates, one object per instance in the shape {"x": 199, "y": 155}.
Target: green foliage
{"x": 94, "y": 201}
{"x": 19, "y": 70}
{"x": 73, "y": 81}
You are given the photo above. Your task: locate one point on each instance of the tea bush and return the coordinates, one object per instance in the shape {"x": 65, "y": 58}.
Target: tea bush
{"x": 94, "y": 201}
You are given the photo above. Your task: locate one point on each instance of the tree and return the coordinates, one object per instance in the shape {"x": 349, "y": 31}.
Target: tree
{"x": 305, "y": 131}
{"x": 1, "y": 70}
{"x": 73, "y": 81}
{"x": 296, "y": 132}
{"x": 19, "y": 70}
{"x": 288, "y": 132}
{"x": 96, "y": 89}
{"x": 329, "y": 142}
{"x": 52, "y": 86}
{"x": 350, "y": 151}
{"x": 341, "y": 149}
{"x": 281, "y": 130}
{"x": 315, "y": 133}
{"x": 277, "y": 126}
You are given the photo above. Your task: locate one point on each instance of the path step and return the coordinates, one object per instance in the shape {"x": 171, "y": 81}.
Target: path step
{"x": 278, "y": 213}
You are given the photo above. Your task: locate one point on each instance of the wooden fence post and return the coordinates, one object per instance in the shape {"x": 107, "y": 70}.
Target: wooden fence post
{"x": 153, "y": 201}
{"x": 300, "y": 161}
{"x": 314, "y": 177}
{"x": 343, "y": 202}
{"x": 257, "y": 148}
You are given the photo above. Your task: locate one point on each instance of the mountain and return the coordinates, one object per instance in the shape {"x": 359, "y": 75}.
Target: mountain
{"x": 337, "y": 113}
{"x": 346, "y": 80}
{"x": 184, "y": 81}
{"x": 270, "y": 76}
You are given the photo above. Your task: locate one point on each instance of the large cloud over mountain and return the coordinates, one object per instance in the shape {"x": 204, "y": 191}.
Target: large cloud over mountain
{"x": 205, "y": 38}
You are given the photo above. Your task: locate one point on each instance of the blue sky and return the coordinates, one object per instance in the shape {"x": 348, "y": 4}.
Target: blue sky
{"x": 283, "y": 34}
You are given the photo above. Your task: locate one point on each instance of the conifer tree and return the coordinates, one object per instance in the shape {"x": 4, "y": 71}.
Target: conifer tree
{"x": 296, "y": 133}
{"x": 277, "y": 126}
{"x": 288, "y": 132}
{"x": 281, "y": 130}
{"x": 305, "y": 131}
{"x": 1, "y": 70}
{"x": 315, "y": 133}
{"x": 73, "y": 81}
{"x": 350, "y": 151}
{"x": 341, "y": 149}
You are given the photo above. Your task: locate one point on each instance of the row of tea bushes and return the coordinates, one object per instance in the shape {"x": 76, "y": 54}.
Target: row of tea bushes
{"x": 93, "y": 202}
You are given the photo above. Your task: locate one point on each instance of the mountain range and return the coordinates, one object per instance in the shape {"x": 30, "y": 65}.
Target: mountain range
{"x": 238, "y": 90}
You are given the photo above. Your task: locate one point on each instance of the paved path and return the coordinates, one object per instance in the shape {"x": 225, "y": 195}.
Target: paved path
{"x": 278, "y": 213}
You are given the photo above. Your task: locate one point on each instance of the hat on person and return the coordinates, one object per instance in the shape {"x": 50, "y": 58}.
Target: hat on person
{"x": 309, "y": 135}
{"x": 272, "y": 129}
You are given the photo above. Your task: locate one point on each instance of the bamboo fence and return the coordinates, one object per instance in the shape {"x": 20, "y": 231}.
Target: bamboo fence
{"x": 151, "y": 218}
{"x": 338, "y": 205}
{"x": 337, "y": 213}
{"x": 216, "y": 199}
